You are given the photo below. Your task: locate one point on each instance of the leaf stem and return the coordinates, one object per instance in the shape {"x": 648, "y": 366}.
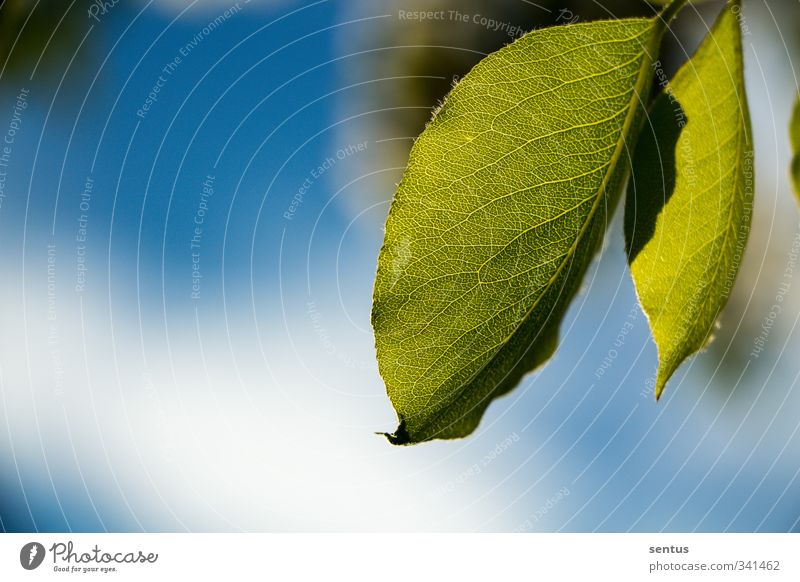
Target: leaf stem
{"x": 671, "y": 10}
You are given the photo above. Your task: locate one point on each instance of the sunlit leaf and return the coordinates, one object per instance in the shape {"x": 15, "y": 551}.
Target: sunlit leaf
{"x": 689, "y": 202}
{"x": 502, "y": 206}
{"x": 795, "y": 134}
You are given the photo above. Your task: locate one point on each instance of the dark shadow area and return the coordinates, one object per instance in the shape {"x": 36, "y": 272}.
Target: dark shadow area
{"x": 654, "y": 173}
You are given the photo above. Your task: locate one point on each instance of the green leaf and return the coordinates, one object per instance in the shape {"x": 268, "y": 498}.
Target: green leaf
{"x": 498, "y": 215}
{"x": 795, "y": 135}
{"x": 689, "y": 202}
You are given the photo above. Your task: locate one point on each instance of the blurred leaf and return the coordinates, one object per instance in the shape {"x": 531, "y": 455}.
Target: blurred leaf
{"x": 795, "y": 135}
{"x": 499, "y": 212}
{"x": 43, "y": 36}
{"x": 689, "y": 200}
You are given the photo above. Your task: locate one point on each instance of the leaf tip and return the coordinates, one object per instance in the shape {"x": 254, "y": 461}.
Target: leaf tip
{"x": 664, "y": 374}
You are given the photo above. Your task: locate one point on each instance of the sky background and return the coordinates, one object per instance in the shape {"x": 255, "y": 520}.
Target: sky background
{"x": 157, "y": 378}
